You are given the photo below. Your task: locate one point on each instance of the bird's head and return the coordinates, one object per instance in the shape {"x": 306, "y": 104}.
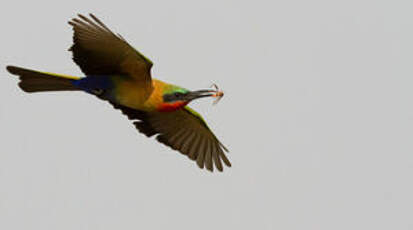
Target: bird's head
{"x": 177, "y": 97}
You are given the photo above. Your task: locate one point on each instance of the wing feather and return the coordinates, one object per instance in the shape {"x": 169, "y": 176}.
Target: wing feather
{"x": 201, "y": 155}
{"x": 215, "y": 155}
{"x": 187, "y": 143}
{"x": 98, "y": 51}
{"x": 174, "y": 139}
{"x": 181, "y": 139}
{"x": 182, "y": 130}
{"x": 208, "y": 157}
{"x": 192, "y": 149}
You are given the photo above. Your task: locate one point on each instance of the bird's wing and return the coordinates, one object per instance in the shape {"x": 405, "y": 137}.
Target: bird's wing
{"x": 183, "y": 130}
{"x": 98, "y": 51}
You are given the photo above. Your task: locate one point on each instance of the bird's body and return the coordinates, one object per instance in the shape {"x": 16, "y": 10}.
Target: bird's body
{"x": 117, "y": 73}
{"x": 124, "y": 90}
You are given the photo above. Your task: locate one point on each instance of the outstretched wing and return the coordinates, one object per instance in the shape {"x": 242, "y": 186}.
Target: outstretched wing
{"x": 98, "y": 51}
{"x": 183, "y": 130}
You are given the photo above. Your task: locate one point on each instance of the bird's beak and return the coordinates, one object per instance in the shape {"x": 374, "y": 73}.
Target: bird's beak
{"x": 200, "y": 93}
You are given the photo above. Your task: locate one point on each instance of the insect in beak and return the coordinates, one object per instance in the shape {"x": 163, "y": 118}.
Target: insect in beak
{"x": 218, "y": 94}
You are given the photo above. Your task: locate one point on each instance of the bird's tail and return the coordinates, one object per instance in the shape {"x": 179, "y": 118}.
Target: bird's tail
{"x": 35, "y": 81}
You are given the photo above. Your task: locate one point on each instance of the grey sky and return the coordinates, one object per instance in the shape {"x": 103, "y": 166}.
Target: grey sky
{"x": 317, "y": 115}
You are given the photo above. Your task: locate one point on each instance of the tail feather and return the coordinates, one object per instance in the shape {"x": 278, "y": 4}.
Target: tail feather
{"x": 35, "y": 81}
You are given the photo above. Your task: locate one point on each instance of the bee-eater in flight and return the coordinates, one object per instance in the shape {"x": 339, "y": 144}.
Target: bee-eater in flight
{"x": 117, "y": 73}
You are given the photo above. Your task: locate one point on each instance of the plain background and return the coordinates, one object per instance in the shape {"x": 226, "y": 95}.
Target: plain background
{"x": 318, "y": 116}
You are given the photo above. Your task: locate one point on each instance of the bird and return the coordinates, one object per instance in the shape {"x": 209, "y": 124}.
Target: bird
{"x": 116, "y": 72}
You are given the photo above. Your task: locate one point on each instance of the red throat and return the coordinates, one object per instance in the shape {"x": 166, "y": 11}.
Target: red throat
{"x": 169, "y": 107}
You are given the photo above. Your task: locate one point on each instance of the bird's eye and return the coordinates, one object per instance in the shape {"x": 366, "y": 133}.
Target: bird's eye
{"x": 178, "y": 95}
